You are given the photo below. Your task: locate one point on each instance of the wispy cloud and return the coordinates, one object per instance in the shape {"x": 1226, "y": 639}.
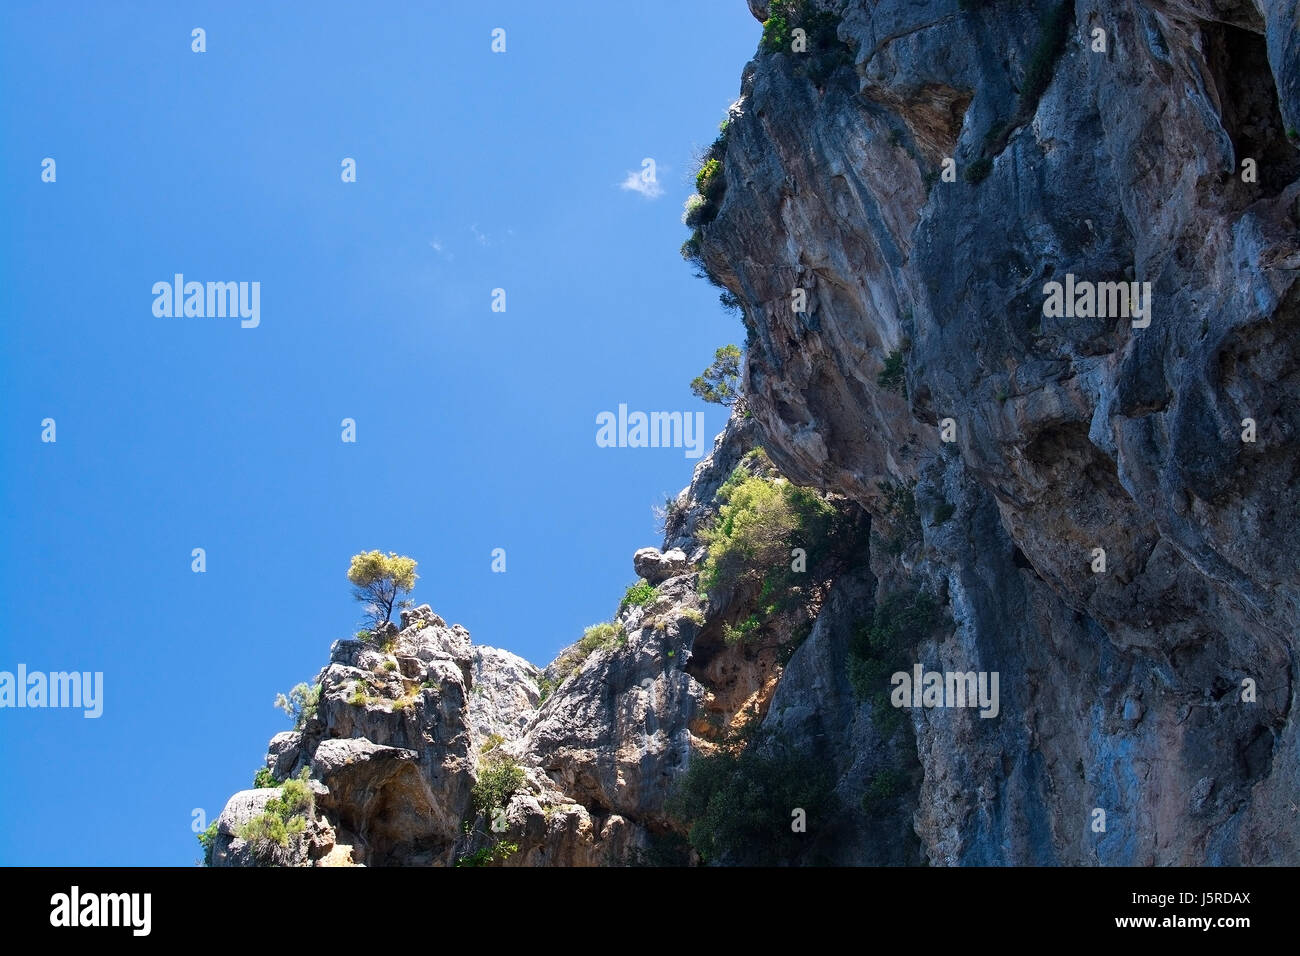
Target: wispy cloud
{"x": 649, "y": 188}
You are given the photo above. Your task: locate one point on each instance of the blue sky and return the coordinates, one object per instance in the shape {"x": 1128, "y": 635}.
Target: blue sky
{"x": 475, "y": 429}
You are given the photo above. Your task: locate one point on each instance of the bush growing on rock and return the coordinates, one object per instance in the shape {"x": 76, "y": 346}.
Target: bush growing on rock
{"x": 605, "y": 634}
{"x": 264, "y": 779}
{"x": 206, "y": 840}
{"x": 300, "y": 703}
{"x": 638, "y": 595}
{"x": 283, "y": 821}
{"x": 885, "y": 644}
{"x": 498, "y": 779}
{"x": 736, "y": 804}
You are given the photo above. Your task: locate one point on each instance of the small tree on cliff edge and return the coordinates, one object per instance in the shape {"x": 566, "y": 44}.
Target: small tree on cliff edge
{"x": 378, "y": 581}
{"x": 720, "y": 382}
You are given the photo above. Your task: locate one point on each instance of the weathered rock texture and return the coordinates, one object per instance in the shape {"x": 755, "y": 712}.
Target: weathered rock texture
{"x": 1120, "y": 690}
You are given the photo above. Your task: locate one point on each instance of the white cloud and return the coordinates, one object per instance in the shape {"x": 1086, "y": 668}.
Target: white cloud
{"x": 650, "y": 189}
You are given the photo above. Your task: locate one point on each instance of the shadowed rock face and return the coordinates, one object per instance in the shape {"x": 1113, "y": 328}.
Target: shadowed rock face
{"x": 1121, "y": 691}
{"x": 1071, "y": 433}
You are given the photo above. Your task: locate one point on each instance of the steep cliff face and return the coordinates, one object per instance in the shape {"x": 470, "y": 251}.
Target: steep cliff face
{"x": 1122, "y": 689}
{"x": 1145, "y": 711}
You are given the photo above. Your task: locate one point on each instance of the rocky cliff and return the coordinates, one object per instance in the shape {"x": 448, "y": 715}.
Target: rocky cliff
{"x": 1100, "y": 501}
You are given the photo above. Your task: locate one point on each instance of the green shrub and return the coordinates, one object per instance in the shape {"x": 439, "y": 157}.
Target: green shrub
{"x": 206, "y": 840}
{"x": 884, "y": 645}
{"x": 498, "y": 779}
{"x": 738, "y": 633}
{"x": 691, "y": 247}
{"x": 602, "y": 635}
{"x": 300, "y": 703}
{"x": 708, "y": 181}
{"x": 900, "y": 517}
{"x": 545, "y": 687}
{"x": 1052, "y": 33}
{"x": 638, "y": 595}
{"x": 389, "y": 665}
{"x": 697, "y": 211}
{"x": 760, "y": 521}
{"x": 492, "y": 742}
{"x": 284, "y": 819}
{"x": 264, "y": 779}
{"x": 891, "y": 378}
{"x": 736, "y": 806}
{"x": 483, "y": 856}
{"x": 886, "y": 784}
{"x": 776, "y": 33}
{"x": 978, "y": 170}
{"x": 359, "y": 697}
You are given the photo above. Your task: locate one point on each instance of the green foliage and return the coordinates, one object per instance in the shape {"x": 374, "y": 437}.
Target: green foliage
{"x": 206, "y": 840}
{"x": 738, "y": 633}
{"x": 300, "y": 703}
{"x": 891, "y": 377}
{"x": 900, "y": 516}
{"x": 359, "y": 697}
{"x": 736, "y": 804}
{"x": 638, "y": 595}
{"x": 720, "y": 382}
{"x": 378, "y": 580}
{"x": 886, "y": 784}
{"x": 884, "y": 645}
{"x": 824, "y": 52}
{"x": 978, "y": 170}
{"x": 486, "y": 855}
{"x": 760, "y": 521}
{"x": 691, "y": 247}
{"x": 498, "y": 779}
{"x": 692, "y": 614}
{"x": 1052, "y": 33}
{"x": 698, "y": 212}
{"x": 388, "y": 665}
{"x": 284, "y": 819}
{"x": 708, "y": 181}
{"x": 776, "y": 32}
{"x": 605, "y": 634}
{"x": 775, "y": 545}
{"x": 492, "y": 742}
{"x": 264, "y": 779}
{"x": 545, "y": 687}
